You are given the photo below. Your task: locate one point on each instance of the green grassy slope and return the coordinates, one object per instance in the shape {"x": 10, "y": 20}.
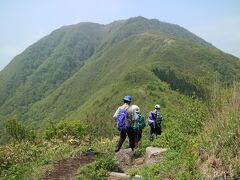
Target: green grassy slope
{"x": 125, "y": 68}
{"x": 90, "y": 66}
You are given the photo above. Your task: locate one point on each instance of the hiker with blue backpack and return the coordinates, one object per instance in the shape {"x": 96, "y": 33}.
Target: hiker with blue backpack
{"x": 154, "y": 121}
{"x": 138, "y": 125}
{"x": 125, "y": 116}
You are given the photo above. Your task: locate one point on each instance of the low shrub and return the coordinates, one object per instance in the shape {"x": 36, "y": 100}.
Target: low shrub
{"x": 18, "y": 131}
{"x": 66, "y": 128}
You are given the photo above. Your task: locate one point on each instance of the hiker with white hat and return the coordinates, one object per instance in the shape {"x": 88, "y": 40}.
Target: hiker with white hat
{"x": 154, "y": 121}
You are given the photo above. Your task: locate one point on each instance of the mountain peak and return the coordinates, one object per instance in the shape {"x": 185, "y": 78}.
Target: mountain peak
{"x": 137, "y": 18}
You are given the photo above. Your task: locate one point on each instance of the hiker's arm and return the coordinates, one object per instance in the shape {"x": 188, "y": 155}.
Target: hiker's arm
{"x": 162, "y": 118}
{"x": 115, "y": 114}
{"x": 150, "y": 119}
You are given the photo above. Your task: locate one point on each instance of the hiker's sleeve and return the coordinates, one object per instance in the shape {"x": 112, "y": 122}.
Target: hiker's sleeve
{"x": 150, "y": 119}
{"x": 115, "y": 114}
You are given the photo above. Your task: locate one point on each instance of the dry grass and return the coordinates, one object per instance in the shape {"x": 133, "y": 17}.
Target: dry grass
{"x": 220, "y": 154}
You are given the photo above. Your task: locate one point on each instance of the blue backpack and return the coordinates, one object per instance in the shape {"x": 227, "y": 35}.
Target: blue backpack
{"x": 122, "y": 119}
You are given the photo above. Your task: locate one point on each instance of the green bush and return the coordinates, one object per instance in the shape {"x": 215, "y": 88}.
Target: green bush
{"x": 18, "y": 131}
{"x": 66, "y": 128}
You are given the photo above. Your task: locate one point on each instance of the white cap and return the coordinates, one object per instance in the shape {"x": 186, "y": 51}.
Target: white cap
{"x": 157, "y": 106}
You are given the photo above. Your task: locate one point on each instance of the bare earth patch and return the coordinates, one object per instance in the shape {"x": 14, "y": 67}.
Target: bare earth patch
{"x": 66, "y": 168}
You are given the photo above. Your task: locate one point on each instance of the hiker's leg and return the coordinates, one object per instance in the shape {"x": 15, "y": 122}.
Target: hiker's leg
{"x": 136, "y": 135}
{"x": 152, "y": 130}
{"x": 123, "y": 135}
{"x": 158, "y": 130}
{"x": 121, "y": 140}
{"x": 131, "y": 136}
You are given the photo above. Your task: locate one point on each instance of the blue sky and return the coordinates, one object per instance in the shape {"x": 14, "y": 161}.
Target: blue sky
{"x": 23, "y": 22}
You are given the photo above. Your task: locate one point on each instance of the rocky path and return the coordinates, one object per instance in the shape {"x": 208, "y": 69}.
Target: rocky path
{"x": 126, "y": 161}
{"x": 66, "y": 168}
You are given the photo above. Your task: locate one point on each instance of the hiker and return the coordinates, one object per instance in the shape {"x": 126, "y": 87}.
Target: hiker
{"x": 124, "y": 116}
{"x": 138, "y": 125}
{"x": 154, "y": 121}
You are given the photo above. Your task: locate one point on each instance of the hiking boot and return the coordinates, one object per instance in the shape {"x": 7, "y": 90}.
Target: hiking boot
{"x": 117, "y": 149}
{"x": 119, "y": 145}
{"x": 136, "y": 144}
{"x": 151, "y": 138}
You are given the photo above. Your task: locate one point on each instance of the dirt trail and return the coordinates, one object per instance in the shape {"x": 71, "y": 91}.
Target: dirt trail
{"x": 66, "y": 168}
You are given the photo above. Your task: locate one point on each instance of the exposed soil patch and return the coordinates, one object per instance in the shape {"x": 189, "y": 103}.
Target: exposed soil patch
{"x": 66, "y": 168}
